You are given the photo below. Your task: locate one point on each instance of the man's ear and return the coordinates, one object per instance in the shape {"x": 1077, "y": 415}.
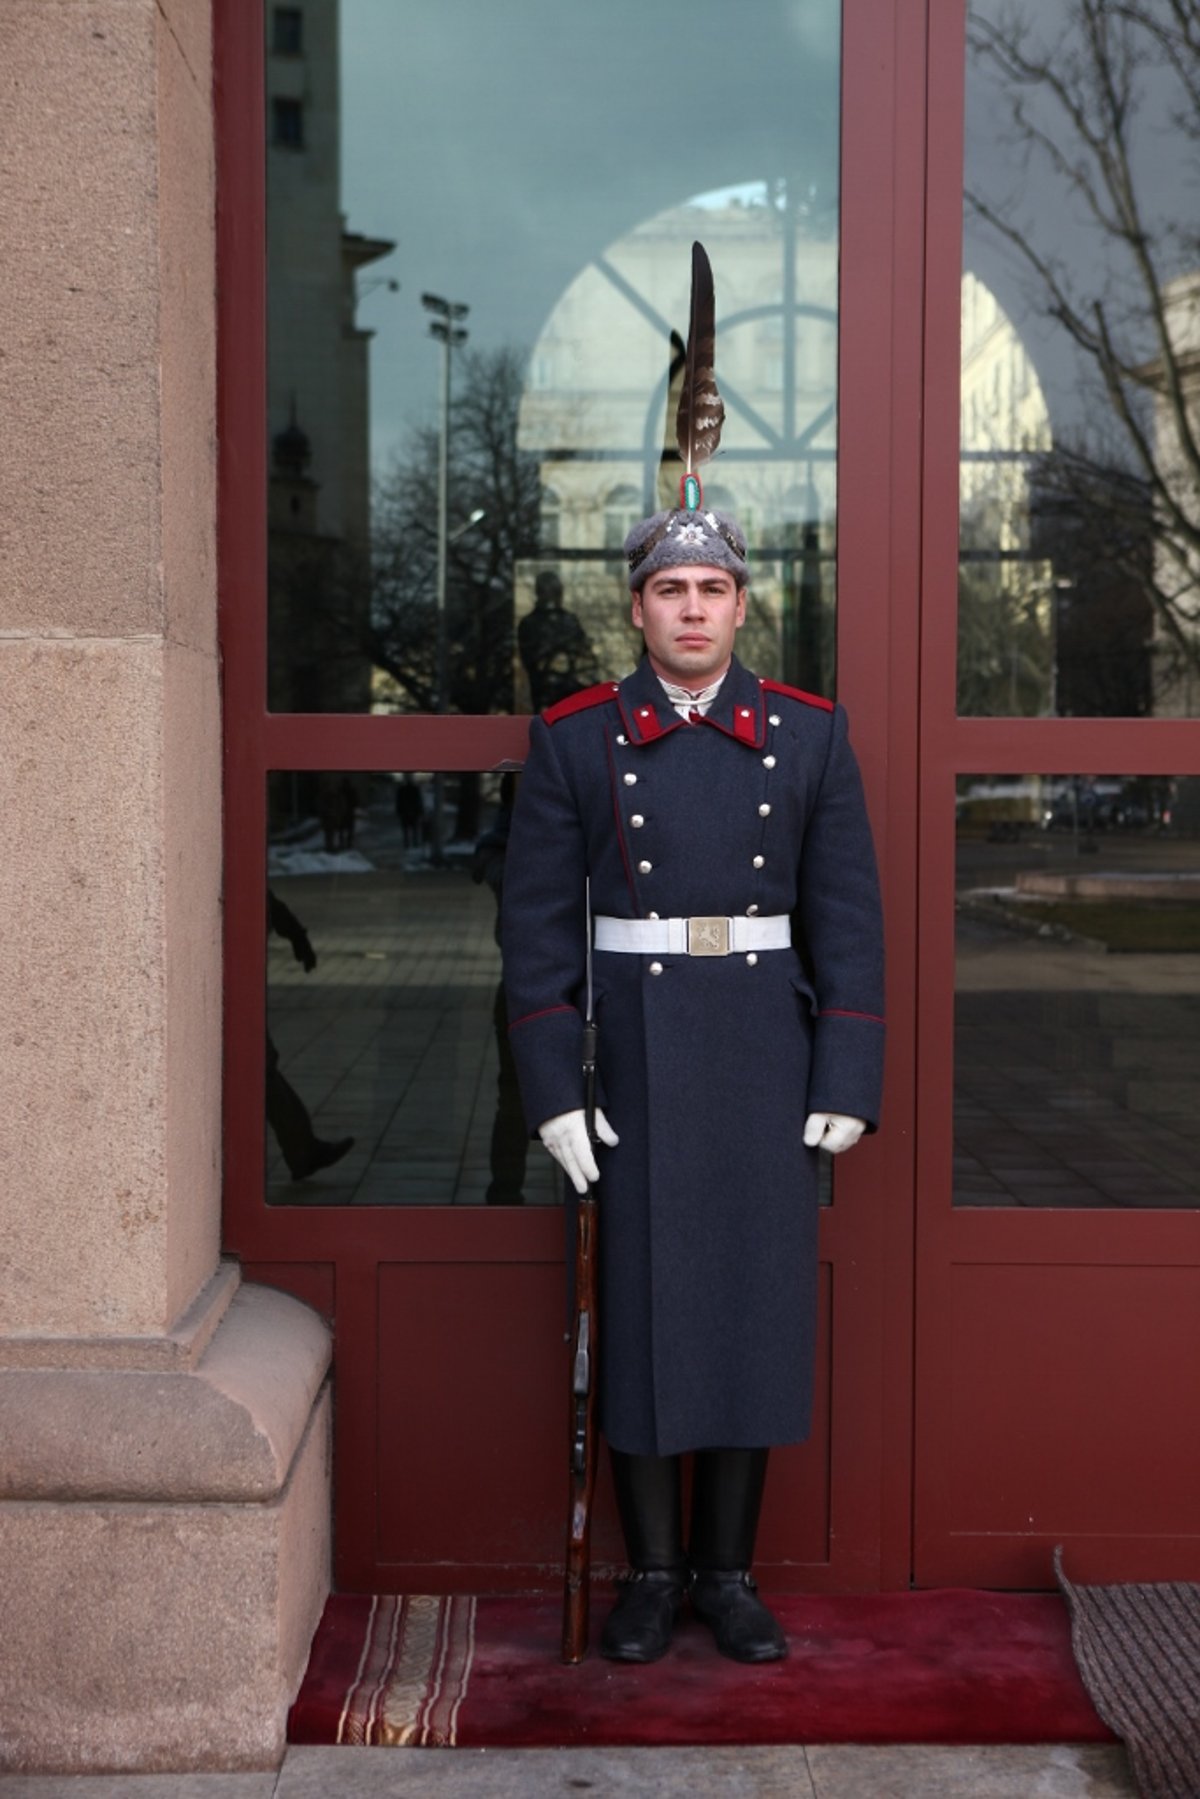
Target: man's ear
{"x": 740, "y": 615}
{"x": 635, "y": 608}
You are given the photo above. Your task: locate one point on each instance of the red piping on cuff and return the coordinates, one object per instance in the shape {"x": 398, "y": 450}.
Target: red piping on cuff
{"x": 834, "y": 1012}
{"x": 544, "y": 1013}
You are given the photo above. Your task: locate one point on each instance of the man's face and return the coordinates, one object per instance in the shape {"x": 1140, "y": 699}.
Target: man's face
{"x": 688, "y": 616}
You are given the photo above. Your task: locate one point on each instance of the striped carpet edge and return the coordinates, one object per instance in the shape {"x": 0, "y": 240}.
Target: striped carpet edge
{"x": 1137, "y": 1647}
{"x": 412, "y": 1674}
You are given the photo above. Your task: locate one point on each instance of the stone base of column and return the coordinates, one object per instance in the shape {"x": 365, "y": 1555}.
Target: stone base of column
{"x": 164, "y": 1536}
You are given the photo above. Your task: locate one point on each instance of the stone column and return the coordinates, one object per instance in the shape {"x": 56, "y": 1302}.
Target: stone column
{"x": 164, "y": 1472}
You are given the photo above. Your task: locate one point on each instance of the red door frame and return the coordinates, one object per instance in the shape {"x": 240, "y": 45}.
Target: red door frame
{"x": 950, "y": 1240}
{"x": 330, "y": 1256}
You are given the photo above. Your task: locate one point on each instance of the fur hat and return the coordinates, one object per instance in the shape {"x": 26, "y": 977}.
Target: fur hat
{"x": 677, "y": 538}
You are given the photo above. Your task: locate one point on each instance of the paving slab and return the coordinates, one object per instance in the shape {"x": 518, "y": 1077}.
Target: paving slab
{"x": 137, "y": 1786}
{"x": 922, "y": 1771}
{"x": 749, "y": 1773}
{"x": 840, "y": 1771}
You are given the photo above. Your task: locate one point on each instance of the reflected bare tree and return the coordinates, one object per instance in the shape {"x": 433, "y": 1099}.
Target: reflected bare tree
{"x": 487, "y": 473}
{"x": 1077, "y": 102}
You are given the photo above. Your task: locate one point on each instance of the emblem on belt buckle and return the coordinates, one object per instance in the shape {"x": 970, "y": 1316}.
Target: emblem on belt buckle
{"x": 708, "y": 936}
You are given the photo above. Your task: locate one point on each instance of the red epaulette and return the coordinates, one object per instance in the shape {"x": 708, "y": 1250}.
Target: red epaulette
{"x": 579, "y": 702}
{"x": 798, "y": 693}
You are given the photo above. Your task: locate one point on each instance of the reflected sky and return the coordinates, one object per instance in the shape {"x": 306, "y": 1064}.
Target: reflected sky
{"x": 505, "y": 147}
{"x": 1082, "y": 282}
{"x": 1019, "y": 179}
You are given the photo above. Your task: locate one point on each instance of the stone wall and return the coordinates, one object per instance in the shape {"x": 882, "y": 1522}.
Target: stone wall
{"x": 164, "y": 1495}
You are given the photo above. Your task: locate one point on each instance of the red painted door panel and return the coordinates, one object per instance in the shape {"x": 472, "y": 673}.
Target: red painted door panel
{"x": 470, "y": 1380}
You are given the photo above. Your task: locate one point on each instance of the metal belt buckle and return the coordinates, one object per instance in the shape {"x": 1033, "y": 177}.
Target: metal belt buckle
{"x": 708, "y": 936}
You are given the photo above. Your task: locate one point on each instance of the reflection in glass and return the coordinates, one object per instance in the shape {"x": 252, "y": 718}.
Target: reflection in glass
{"x": 565, "y": 239}
{"x": 389, "y": 1079}
{"x": 1080, "y": 420}
{"x": 556, "y": 652}
{"x": 1077, "y": 1015}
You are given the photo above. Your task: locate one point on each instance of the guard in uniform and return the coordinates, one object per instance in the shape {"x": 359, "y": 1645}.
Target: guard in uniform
{"x": 738, "y": 981}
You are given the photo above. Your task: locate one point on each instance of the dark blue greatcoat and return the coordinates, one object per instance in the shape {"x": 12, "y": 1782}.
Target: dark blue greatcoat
{"x": 707, "y": 1069}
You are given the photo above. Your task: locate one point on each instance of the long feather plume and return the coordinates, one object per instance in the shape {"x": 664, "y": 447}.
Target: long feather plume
{"x": 668, "y": 464}
{"x": 701, "y": 409}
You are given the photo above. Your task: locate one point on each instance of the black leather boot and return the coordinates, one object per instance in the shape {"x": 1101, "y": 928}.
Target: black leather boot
{"x": 649, "y": 1499}
{"x": 726, "y": 1500}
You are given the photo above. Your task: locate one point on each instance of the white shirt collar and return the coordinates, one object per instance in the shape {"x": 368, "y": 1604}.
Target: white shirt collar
{"x": 688, "y": 699}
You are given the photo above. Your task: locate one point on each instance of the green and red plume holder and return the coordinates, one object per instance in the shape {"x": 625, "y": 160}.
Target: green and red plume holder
{"x": 691, "y": 494}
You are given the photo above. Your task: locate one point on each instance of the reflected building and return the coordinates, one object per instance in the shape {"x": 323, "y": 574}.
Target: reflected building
{"x": 1177, "y": 544}
{"x": 1055, "y": 548}
{"x": 1093, "y": 529}
{"x": 317, "y": 380}
{"x": 1005, "y": 591}
{"x": 598, "y": 413}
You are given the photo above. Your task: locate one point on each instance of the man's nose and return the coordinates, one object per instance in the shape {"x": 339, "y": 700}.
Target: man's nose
{"x": 693, "y": 603}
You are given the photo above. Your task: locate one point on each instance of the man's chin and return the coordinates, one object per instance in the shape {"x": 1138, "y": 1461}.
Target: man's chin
{"x": 700, "y": 661}
{"x": 689, "y": 668}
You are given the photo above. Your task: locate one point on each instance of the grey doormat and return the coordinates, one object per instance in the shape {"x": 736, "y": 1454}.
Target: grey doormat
{"x": 1137, "y": 1647}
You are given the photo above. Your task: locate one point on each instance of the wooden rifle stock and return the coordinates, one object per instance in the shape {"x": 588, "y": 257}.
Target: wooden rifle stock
{"x": 582, "y": 1397}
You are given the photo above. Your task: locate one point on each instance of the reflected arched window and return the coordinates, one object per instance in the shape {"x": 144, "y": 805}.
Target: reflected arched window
{"x": 721, "y": 497}
{"x": 550, "y": 519}
{"x": 725, "y": 500}
{"x": 622, "y": 510}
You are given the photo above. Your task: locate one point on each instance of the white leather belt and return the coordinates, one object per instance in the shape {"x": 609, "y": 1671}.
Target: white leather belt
{"x": 693, "y": 936}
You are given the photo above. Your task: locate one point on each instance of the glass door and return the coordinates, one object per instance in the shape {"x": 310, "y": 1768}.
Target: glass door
{"x": 455, "y": 260}
{"x": 1058, "y": 1287}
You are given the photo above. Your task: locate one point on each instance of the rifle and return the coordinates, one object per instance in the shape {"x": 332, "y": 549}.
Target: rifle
{"x": 582, "y": 1407}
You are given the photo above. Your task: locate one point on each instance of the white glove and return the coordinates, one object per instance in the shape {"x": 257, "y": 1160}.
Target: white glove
{"x": 565, "y": 1136}
{"x": 832, "y": 1131}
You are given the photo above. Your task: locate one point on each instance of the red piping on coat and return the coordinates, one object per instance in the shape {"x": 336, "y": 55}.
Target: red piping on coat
{"x": 834, "y": 1012}
{"x": 580, "y": 702}
{"x": 797, "y": 693}
{"x": 544, "y": 1013}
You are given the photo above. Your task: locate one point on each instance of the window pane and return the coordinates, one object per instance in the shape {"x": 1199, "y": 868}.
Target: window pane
{"x": 500, "y": 164}
{"x": 385, "y": 1014}
{"x": 288, "y": 39}
{"x": 388, "y": 1074}
{"x": 1077, "y": 1067}
{"x": 1079, "y": 490}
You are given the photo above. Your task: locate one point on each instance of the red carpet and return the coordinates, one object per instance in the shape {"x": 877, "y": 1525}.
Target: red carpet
{"x": 944, "y": 1667}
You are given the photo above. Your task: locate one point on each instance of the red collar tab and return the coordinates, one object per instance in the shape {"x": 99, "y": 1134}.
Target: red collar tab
{"x": 797, "y": 693}
{"x": 644, "y": 725}
{"x": 745, "y": 724}
{"x": 740, "y": 715}
{"x": 580, "y": 702}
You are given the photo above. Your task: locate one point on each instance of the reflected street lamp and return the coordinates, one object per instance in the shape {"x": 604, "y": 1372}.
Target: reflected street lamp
{"x": 444, "y": 326}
